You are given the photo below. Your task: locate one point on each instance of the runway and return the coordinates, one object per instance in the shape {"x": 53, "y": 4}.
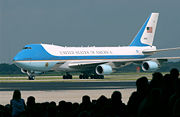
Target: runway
{"x": 68, "y": 91}
{"x": 45, "y": 86}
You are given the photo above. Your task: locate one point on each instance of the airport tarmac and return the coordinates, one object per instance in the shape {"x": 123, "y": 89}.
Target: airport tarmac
{"x": 68, "y": 91}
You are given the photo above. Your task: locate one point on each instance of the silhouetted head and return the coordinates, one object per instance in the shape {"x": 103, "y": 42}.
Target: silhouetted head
{"x": 174, "y": 73}
{"x": 86, "y": 99}
{"x": 102, "y": 100}
{"x": 142, "y": 84}
{"x": 52, "y": 103}
{"x": 75, "y": 106}
{"x": 116, "y": 96}
{"x": 30, "y": 101}
{"x": 17, "y": 95}
{"x": 61, "y": 105}
{"x": 157, "y": 75}
{"x": 157, "y": 80}
{"x": 167, "y": 77}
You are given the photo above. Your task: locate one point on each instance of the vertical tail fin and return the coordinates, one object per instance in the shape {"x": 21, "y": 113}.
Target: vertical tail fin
{"x": 145, "y": 36}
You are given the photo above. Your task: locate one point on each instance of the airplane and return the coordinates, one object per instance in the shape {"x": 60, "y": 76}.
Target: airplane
{"x": 93, "y": 62}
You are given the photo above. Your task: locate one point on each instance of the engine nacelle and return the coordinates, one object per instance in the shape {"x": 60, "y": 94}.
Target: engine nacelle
{"x": 150, "y": 66}
{"x": 103, "y": 69}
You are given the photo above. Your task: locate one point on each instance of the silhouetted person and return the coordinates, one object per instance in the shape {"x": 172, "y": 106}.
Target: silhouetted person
{"x": 176, "y": 109}
{"x": 86, "y": 103}
{"x": 17, "y": 104}
{"x": 151, "y": 106}
{"x": 168, "y": 85}
{"x": 174, "y": 73}
{"x": 176, "y": 96}
{"x": 52, "y": 110}
{"x": 5, "y": 111}
{"x": 102, "y": 107}
{"x": 136, "y": 97}
{"x": 157, "y": 80}
{"x": 30, "y": 106}
{"x": 84, "y": 114}
{"x": 118, "y": 107}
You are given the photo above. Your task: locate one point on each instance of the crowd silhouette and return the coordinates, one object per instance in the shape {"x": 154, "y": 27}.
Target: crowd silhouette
{"x": 159, "y": 97}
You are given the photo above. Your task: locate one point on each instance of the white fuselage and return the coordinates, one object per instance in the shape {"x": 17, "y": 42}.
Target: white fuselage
{"x": 44, "y": 57}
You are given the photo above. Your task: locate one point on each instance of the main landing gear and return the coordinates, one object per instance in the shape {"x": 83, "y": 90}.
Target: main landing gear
{"x": 67, "y": 76}
{"x": 94, "y": 76}
{"x": 84, "y": 76}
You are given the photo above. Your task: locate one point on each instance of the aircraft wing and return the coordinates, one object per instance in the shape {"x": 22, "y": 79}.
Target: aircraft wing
{"x": 163, "y": 59}
{"x": 117, "y": 63}
{"x": 86, "y": 64}
{"x": 114, "y": 63}
{"x": 79, "y": 64}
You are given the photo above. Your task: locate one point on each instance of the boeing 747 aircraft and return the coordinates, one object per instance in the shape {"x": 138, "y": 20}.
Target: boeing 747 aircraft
{"x": 93, "y": 62}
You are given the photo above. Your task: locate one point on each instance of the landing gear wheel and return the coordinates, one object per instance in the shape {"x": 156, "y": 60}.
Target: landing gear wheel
{"x": 64, "y": 76}
{"x": 84, "y": 76}
{"x": 31, "y": 77}
{"x": 68, "y": 76}
{"x": 97, "y": 77}
{"x": 92, "y": 76}
{"x": 80, "y": 76}
{"x": 101, "y": 77}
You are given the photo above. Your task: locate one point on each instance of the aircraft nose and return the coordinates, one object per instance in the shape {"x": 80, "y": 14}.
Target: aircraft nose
{"x": 17, "y": 61}
{"x": 16, "y": 58}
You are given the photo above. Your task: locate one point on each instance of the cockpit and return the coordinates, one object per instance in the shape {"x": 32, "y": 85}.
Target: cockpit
{"x": 26, "y": 48}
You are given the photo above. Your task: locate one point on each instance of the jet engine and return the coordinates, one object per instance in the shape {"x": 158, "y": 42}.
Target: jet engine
{"x": 150, "y": 65}
{"x": 103, "y": 69}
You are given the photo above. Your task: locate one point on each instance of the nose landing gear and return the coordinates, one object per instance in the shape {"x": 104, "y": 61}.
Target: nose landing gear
{"x": 31, "y": 75}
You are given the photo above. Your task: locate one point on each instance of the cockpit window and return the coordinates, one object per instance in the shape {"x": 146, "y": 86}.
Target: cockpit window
{"x": 27, "y": 48}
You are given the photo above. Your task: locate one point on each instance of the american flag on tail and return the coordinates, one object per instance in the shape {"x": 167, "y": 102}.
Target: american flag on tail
{"x": 149, "y": 29}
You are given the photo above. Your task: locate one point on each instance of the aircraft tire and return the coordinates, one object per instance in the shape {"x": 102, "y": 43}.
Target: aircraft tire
{"x": 69, "y": 76}
{"x": 64, "y": 77}
{"x": 80, "y": 76}
{"x": 101, "y": 77}
{"x": 31, "y": 77}
{"x": 92, "y": 76}
{"x": 86, "y": 76}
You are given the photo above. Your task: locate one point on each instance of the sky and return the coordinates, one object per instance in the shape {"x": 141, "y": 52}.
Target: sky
{"x": 84, "y": 23}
